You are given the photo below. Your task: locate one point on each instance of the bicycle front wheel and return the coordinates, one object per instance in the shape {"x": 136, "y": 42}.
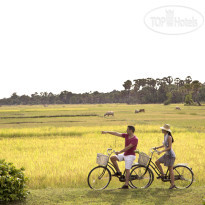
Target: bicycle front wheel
{"x": 99, "y": 178}
{"x": 183, "y": 176}
{"x": 141, "y": 177}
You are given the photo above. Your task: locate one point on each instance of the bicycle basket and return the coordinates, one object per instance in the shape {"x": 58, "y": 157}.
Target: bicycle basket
{"x": 102, "y": 159}
{"x": 143, "y": 158}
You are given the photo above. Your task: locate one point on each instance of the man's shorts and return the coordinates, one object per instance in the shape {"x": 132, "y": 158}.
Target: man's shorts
{"x": 129, "y": 159}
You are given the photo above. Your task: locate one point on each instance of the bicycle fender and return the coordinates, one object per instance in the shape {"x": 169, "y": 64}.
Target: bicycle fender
{"x": 181, "y": 164}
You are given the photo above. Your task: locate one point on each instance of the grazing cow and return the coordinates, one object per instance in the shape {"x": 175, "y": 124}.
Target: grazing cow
{"x": 136, "y": 111}
{"x": 142, "y": 110}
{"x": 178, "y": 108}
{"x": 109, "y": 113}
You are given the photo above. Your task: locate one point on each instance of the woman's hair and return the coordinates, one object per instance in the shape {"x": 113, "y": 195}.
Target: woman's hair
{"x": 169, "y": 133}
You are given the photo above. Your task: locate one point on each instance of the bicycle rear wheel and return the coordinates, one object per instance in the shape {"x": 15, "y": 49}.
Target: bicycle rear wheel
{"x": 183, "y": 176}
{"x": 99, "y": 178}
{"x": 141, "y": 177}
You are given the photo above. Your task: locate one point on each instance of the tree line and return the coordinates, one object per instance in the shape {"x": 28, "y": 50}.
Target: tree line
{"x": 146, "y": 90}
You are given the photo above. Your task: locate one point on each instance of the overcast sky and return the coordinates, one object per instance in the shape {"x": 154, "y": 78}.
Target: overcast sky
{"x": 83, "y": 46}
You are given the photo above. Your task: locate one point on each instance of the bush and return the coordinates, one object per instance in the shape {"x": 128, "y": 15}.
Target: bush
{"x": 12, "y": 182}
{"x": 188, "y": 100}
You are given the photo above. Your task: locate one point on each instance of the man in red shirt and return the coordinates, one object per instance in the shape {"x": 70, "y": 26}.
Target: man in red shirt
{"x": 128, "y": 155}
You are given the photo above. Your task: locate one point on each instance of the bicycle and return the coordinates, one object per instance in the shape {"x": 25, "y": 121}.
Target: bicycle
{"x": 183, "y": 175}
{"x": 141, "y": 176}
{"x": 99, "y": 177}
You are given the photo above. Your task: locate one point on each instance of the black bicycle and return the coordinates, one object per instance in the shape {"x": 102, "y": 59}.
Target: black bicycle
{"x": 141, "y": 175}
{"x": 99, "y": 177}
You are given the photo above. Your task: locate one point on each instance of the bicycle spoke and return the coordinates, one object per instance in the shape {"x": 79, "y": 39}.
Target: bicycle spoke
{"x": 140, "y": 178}
{"x": 99, "y": 178}
{"x": 183, "y": 177}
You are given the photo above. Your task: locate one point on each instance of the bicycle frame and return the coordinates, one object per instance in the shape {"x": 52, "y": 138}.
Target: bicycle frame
{"x": 110, "y": 165}
{"x": 154, "y": 166}
{"x": 150, "y": 164}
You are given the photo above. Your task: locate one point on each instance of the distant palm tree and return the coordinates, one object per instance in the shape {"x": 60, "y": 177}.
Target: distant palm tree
{"x": 169, "y": 80}
{"x": 158, "y": 81}
{"x": 188, "y": 80}
{"x": 163, "y": 82}
{"x": 176, "y": 81}
{"x": 127, "y": 85}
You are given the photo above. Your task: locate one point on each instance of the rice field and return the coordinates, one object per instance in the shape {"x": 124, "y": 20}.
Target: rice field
{"x": 60, "y": 151}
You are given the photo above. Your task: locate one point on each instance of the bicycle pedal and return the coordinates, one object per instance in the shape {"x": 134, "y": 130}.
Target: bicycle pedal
{"x": 122, "y": 178}
{"x": 134, "y": 177}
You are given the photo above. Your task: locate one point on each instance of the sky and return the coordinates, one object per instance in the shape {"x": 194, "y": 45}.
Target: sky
{"x": 83, "y": 45}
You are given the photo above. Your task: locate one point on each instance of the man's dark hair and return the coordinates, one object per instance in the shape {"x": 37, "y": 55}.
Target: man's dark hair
{"x": 131, "y": 128}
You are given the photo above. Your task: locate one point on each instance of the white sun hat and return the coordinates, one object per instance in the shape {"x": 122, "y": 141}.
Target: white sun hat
{"x": 166, "y": 127}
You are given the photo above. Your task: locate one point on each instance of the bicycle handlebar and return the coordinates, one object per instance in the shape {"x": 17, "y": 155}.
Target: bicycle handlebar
{"x": 109, "y": 151}
{"x": 153, "y": 150}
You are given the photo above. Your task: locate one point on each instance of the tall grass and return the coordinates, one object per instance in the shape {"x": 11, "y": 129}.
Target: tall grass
{"x": 63, "y": 157}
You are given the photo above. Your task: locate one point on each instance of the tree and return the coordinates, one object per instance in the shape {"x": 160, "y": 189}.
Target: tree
{"x": 127, "y": 85}
{"x": 188, "y": 100}
{"x": 161, "y": 93}
{"x": 188, "y": 80}
{"x": 148, "y": 80}
{"x": 178, "y": 96}
{"x": 164, "y": 81}
{"x": 181, "y": 83}
{"x": 136, "y": 87}
{"x": 147, "y": 94}
{"x": 158, "y": 82}
{"x": 169, "y": 98}
{"x": 176, "y": 81}
{"x": 153, "y": 82}
{"x": 24, "y": 99}
{"x": 65, "y": 96}
{"x": 14, "y": 99}
{"x": 52, "y": 98}
{"x": 143, "y": 82}
{"x": 188, "y": 88}
{"x": 196, "y": 85}
{"x": 142, "y": 90}
{"x": 169, "y": 80}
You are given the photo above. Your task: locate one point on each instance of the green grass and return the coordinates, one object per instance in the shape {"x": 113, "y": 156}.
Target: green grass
{"x": 124, "y": 114}
{"x": 150, "y": 196}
